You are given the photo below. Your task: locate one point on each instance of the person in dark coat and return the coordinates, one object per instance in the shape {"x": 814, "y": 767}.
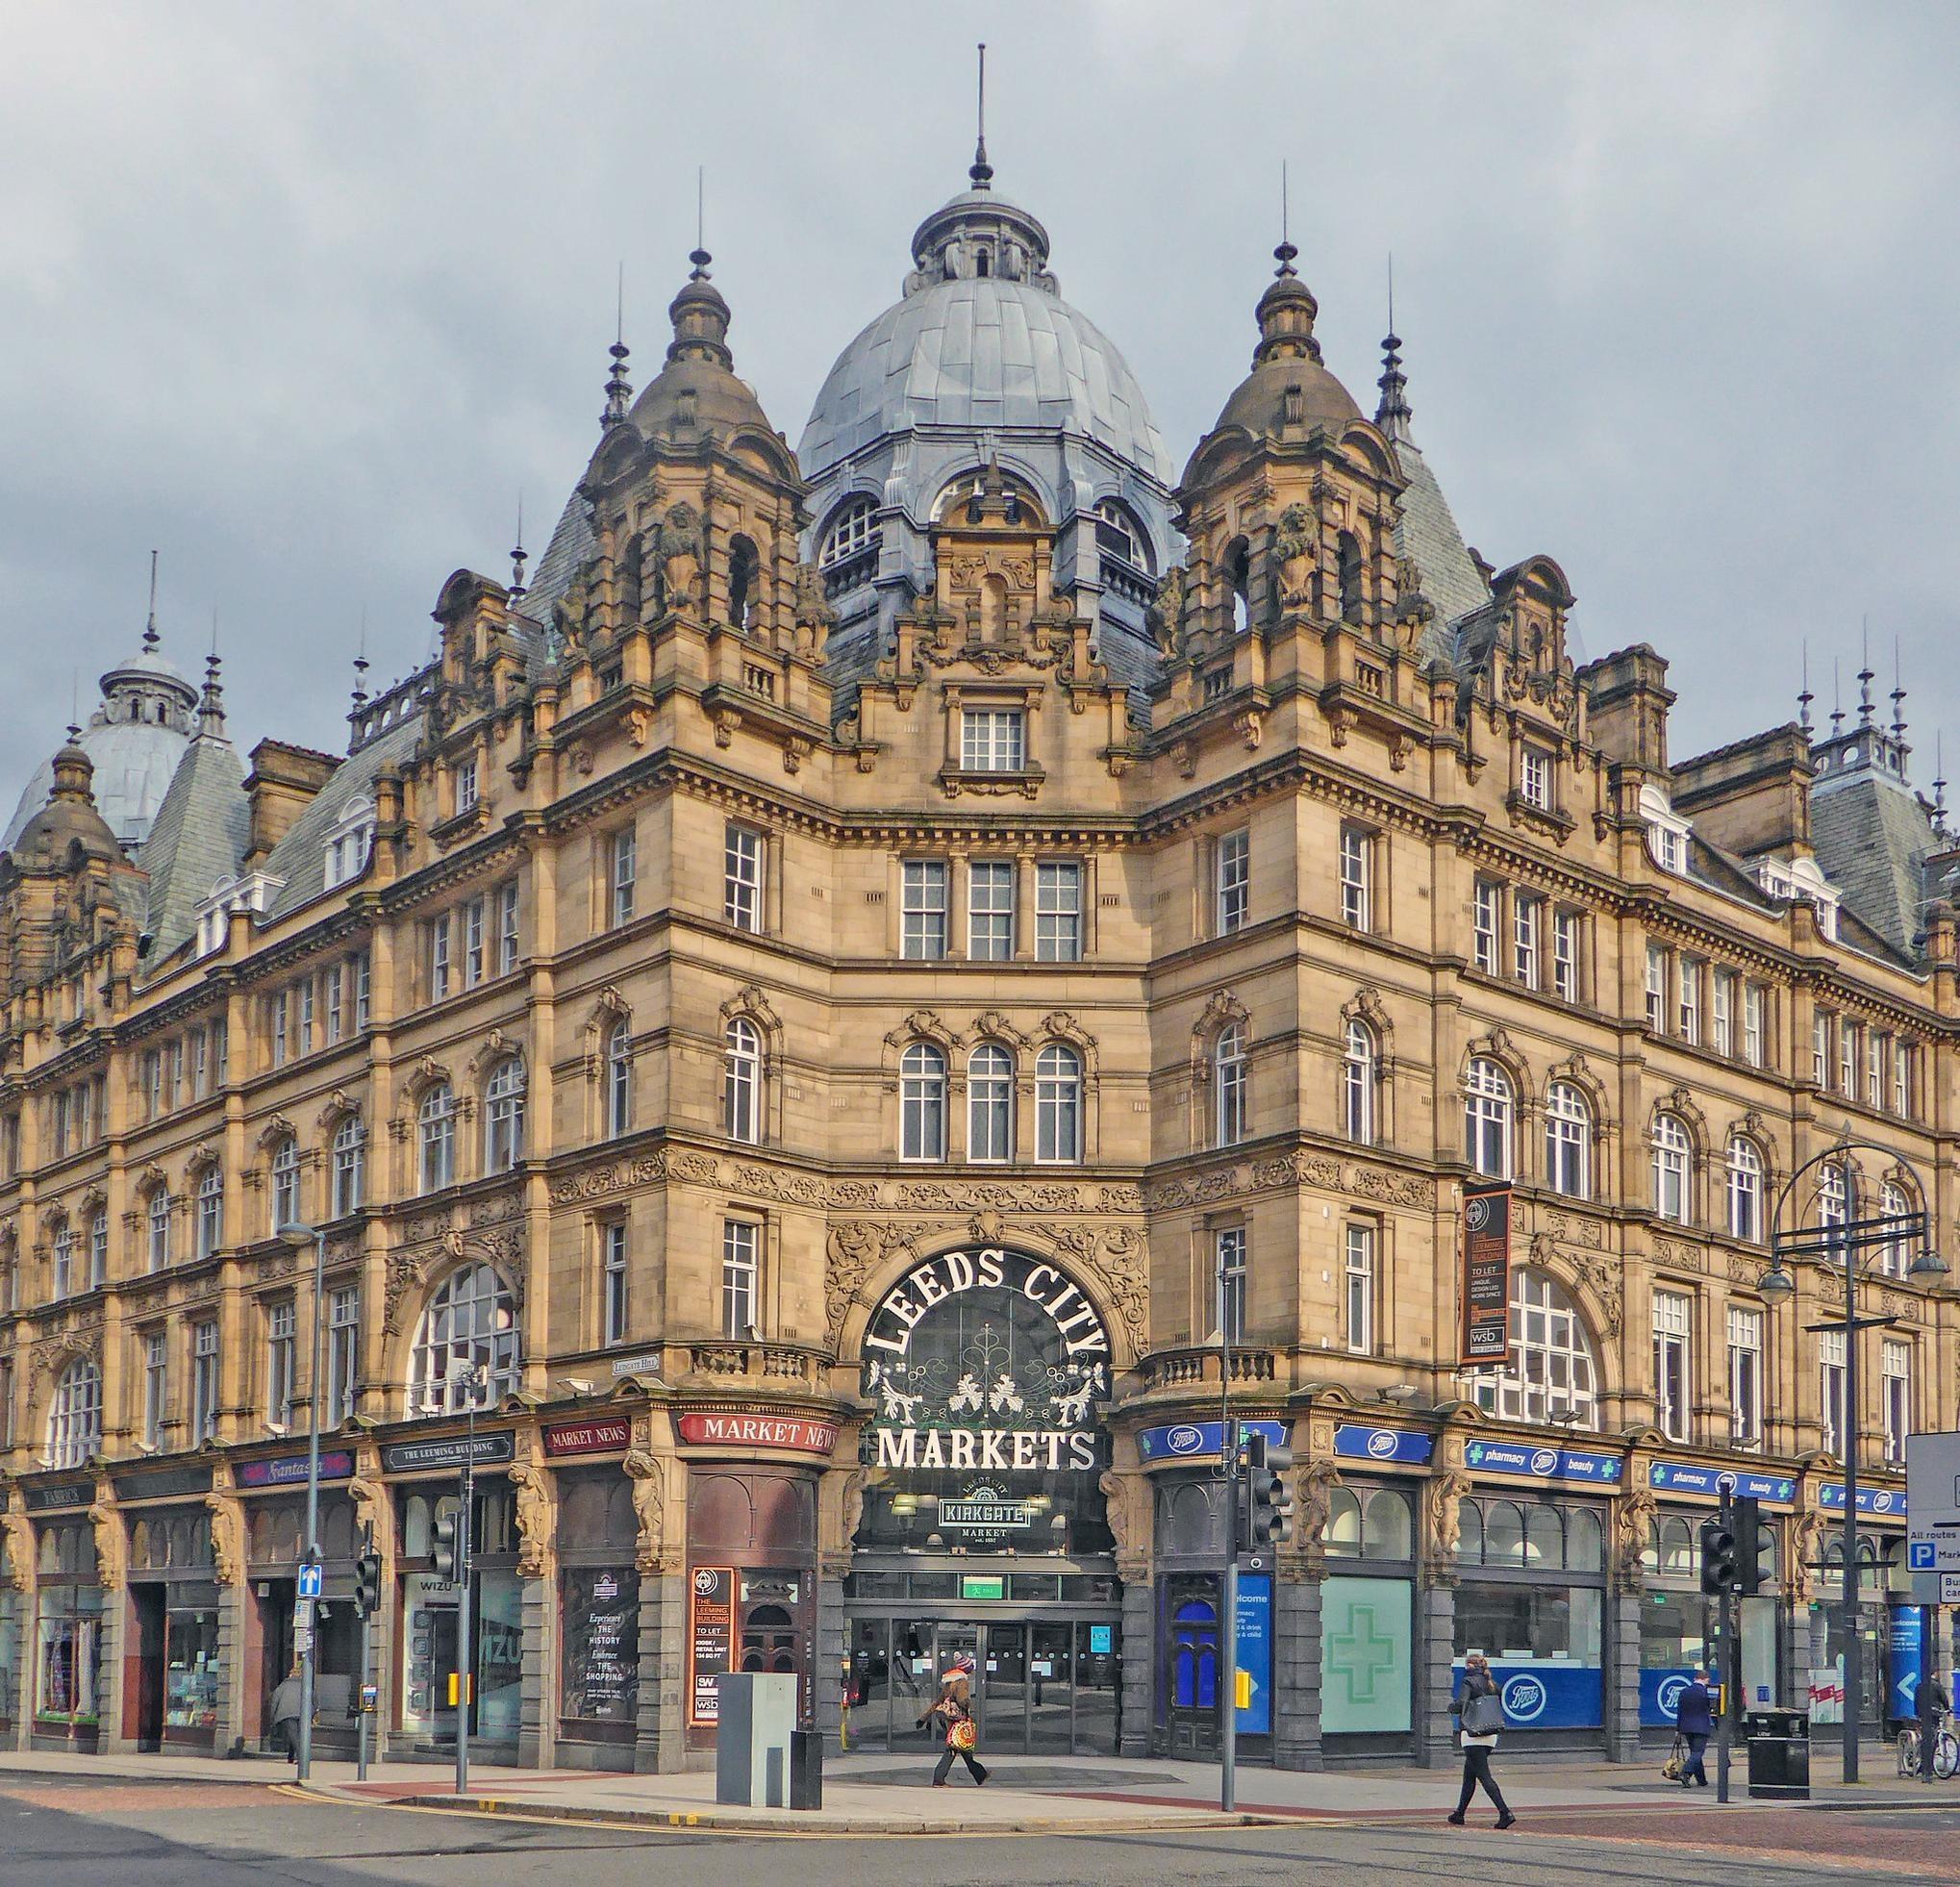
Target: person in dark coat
{"x": 285, "y": 1712}
{"x": 1932, "y": 1704}
{"x": 1478, "y": 1710}
{"x": 1694, "y": 1719}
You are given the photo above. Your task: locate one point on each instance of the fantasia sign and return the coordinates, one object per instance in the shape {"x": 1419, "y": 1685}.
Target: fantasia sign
{"x": 987, "y": 1361}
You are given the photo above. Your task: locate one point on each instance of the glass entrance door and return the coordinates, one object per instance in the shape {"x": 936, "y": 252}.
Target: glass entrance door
{"x": 1051, "y": 1689}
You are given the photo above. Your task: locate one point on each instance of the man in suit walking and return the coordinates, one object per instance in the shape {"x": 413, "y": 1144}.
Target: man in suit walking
{"x": 1694, "y": 1719}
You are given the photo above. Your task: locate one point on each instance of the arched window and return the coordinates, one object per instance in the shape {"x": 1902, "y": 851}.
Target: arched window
{"x": 1058, "y": 1104}
{"x": 350, "y": 1166}
{"x": 503, "y": 1115}
{"x": 1118, "y": 532}
{"x": 1348, "y": 547}
{"x": 1744, "y": 1188}
{"x": 744, "y": 567}
{"x": 211, "y": 1211}
{"x": 1567, "y": 1140}
{"x": 62, "y": 1250}
{"x": 1833, "y": 1196}
{"x": 618, "y": 1079}
{"x": 1551, "y": 1375}
{"x": 436, "y": 1130}
{"x": 472, "y": 1321}
{"x": 990, "y": 1103}
{"x": 1674, "y": 1167}
{"x": 1388, "y": 1527}
{"x": 156, "y": 1218}
{"x": 1344, "y": 1524}
{"x": 1228, "y": 1077}
{"x": 852, "y": 528}
{"x": 1238, "y": 575}
{"x": 285, "y": 1183}
{"x": 1894, "y": 1255}
{"x": 742, "y": 1080}
{"x": 1360, "y": 1079}
{"x": 922, "y": 1103}
{"x": 75, "y": 1416}
{"x": 1487, "y": 1110}
{"x": 98, "y": 1247}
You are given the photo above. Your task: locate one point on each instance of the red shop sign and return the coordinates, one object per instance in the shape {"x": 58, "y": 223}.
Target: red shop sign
{"x": 732, "y": 1428}
{"x": 598, "y": 1437}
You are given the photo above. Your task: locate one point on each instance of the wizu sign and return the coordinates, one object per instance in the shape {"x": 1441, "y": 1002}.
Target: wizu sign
{"x": 987, "y": 1361}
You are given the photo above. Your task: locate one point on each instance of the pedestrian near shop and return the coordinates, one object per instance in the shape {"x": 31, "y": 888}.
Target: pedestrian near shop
{"x": 952, "y": 1714}
{"x": 1694, "y": 1719}
{"x": 286, "y": 1706}
{"x": 1932, "y": 1704}
{"x": 1479, "y": 1713}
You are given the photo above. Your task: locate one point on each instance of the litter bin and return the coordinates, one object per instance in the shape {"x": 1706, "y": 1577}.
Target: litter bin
{"x": 1779, "y": 1754}
{"x": 805, "y": 1768}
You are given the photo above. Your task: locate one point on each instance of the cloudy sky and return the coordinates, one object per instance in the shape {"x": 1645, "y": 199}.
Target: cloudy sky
{"x": 305, "y": 297}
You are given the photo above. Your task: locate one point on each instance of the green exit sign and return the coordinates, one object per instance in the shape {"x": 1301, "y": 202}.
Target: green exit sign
{"x": 981, "y": 1585}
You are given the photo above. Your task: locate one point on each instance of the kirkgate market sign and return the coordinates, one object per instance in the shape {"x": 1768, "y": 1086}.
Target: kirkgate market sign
{"x": 989, "y": 1361}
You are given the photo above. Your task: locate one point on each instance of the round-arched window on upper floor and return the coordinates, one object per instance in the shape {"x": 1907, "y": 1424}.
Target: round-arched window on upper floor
{"x": 75, "y": 1415}
{"x": 1551, "y": 1373}
{"x": 853, "y": 527}
{"x": 1119, "y": 532}
{"x": 466, "y": 1351}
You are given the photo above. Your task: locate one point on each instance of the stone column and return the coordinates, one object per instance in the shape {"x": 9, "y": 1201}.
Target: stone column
{"x": 228, "y": 1570}
{"x": 1296, "y": 1668}
{"x": 1621, "y": 1680}
{"x": 832, "y": 1648}
{"x": 1435, "y": 1681}
{"x": 111, "y": 1553}
{"x": 537, "y": 1711}
{"x": 661, "y": 1744}
{"x": 1139, "y": 1665}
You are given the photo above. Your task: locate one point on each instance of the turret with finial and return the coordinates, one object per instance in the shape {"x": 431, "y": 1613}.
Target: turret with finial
{"x": 1393, "y": 413}
{"x": 619, "y": 388}
{"x": 519, "y": 558}
{"x": 980, "y": 172}
{"x": 150, "y": 637}
{"x": 1805, "y": 697}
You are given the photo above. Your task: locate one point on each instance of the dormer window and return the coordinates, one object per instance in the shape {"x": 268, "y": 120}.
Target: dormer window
{"x": 348, "y": 841}
{"x": 1666, "y": 833}
{"x": 1534, "y": 779}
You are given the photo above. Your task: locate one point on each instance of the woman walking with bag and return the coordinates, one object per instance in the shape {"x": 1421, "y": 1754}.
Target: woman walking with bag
{"x": 1479, "y": 1712}
{"x": 953, "y": 1713}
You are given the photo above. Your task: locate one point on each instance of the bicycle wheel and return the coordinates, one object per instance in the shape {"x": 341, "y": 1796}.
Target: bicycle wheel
{"x": 1908, "y": 1746}
{"x": 1946, "y": 1755}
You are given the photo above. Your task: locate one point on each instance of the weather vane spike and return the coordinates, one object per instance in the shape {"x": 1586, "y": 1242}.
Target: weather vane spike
{"x": 619, "y": 388}
{"x": 1897, "y": 695}
{"x": 701, "y": 257}
{"x": 150, "y": 635}
{"x": 517, "y": 558}
{"x": 1286, "y": 252}
{"x": 980, "y": 171}
{"x": 1805, "y": 697}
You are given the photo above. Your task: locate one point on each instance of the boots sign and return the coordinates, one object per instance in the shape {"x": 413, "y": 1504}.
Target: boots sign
{"x": 989, "y": 1362}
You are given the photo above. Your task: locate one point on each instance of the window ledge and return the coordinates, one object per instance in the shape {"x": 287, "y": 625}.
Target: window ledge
{"x": 956, "y": 780}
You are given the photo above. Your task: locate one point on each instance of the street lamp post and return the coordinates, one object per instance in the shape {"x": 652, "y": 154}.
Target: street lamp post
{"x": 1843, "y": 1244}
{"x": 298, "y": 1237}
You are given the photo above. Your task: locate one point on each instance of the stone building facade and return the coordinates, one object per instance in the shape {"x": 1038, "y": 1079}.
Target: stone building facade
{"x": 831, "y": 1037}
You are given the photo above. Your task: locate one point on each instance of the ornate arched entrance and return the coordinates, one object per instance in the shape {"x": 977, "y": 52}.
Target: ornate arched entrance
{"x": 984, "y": 1531}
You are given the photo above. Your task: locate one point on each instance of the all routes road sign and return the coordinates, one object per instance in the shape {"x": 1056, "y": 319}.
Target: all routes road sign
{"x": 1932, "y": 1505}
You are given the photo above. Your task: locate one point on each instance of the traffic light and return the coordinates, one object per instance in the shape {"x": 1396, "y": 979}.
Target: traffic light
{"x": 1268, "y": 1500}
{"x": 1718, "y": 1556}
{"x": 1749, "y": 1546}
{"x": 366, "y": 1585}
{"x": 445, "y": 1549}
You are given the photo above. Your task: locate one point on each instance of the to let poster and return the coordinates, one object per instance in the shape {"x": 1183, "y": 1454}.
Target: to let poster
{"x": 710, "y": 1639}
{"x": 1486, "y": 1274}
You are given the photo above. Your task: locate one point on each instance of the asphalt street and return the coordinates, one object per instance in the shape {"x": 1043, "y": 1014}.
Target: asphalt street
{"x": 75, "y": 1833}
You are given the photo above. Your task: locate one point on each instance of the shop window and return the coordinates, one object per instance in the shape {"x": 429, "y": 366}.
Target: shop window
{"x": 1469, "y": 1532}
{"x": 1388, "y": 1527}
{"x": 1343, "y": 1524}
{"x": 1544, "y": 1539}
{"x": 1503, "y": 1534}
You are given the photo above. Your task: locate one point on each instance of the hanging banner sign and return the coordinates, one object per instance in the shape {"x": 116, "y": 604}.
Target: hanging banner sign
{"x": 1870, "y": 1500}
{"x": 1486, "y": 1275}
{"x": 710, "y": 1639}
{"x": 733, "y": 1428}
{"x": 989, "y": 1362}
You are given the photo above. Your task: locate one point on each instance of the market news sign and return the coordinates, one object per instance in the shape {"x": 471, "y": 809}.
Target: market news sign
{"x": 745, "y": 1429}
{"x": 987, "y": 1362}
{"x": 1486, "y": 1275}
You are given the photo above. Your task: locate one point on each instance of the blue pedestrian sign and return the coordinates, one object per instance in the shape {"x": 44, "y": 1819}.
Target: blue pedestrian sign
{"x": 311, "y": 1579}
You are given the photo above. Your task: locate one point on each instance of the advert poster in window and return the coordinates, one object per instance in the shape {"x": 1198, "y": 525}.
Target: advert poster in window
{"x": 1486, "y": 1275}
{"x": 710, "y": 1639}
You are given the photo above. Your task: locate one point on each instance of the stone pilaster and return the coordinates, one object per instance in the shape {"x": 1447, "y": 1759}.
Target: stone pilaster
{"x": 1296, "y": 1672}
{"x": 826, "y": 1674}
{"x": 118, "y": 1633}
{"x": 661, "y": 1745}
{"x": 1435, "y": 1684}
{"x": 1139, "y": 1667}
{"x": 1619, "y": 1681}
{"x": 537, "y": 1715}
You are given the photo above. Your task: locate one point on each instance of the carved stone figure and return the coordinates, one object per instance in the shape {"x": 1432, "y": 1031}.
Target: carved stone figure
{"x": 109, "y": 1541}
{"x": 1631, "y": 1526}
{"x": 1164, "y": 616}
{"x": 649, "y": 1503}
{"x": 1315, "y": 1496}
{"x": 1127, "y": 1527}
{"x": 1293, "y": 550}
{"x": 533, "y": 1491}
{"x": 679, "y": 554}
{"x": 19, "y": 1559}
{"x": 815, "y": 617}
{"x": 225, "y": 1556}
{"x": 1445, "y": 1522}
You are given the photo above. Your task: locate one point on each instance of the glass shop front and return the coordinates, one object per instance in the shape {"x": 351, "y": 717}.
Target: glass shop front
{"x": 984, "y": 1532}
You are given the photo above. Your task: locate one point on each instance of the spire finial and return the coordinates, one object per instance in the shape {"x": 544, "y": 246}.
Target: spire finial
{"x": 517, "y": 557}
{"x": 1392, "y": 414}
{"x": 1939, "y": 783}
{"x": 1286, "y": 252}
{"x": 980, "y": 171}
{"x": 1865, "y": 679}
{"x": 1898, "y": 696}
{"x": 150, "y": 637}
{"x": 1805, "y": 697}
{"x": 1836, "y": 698}
{"x": 361, "y": 665}
{"x": 619, "y": 388}
{"x": 210, "y": 704}
{"x": 699, "y": 255}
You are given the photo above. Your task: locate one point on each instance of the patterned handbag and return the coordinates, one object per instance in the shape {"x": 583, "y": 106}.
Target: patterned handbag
{"x": 1677, "y": 1758}
{"x": 961, "y": 1735}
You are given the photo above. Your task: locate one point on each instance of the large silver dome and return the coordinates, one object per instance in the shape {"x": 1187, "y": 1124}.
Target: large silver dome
{"x": 982, "y": 339}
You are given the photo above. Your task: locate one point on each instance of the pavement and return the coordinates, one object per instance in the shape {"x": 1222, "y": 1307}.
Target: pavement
{"x": 877, "y": 1793}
